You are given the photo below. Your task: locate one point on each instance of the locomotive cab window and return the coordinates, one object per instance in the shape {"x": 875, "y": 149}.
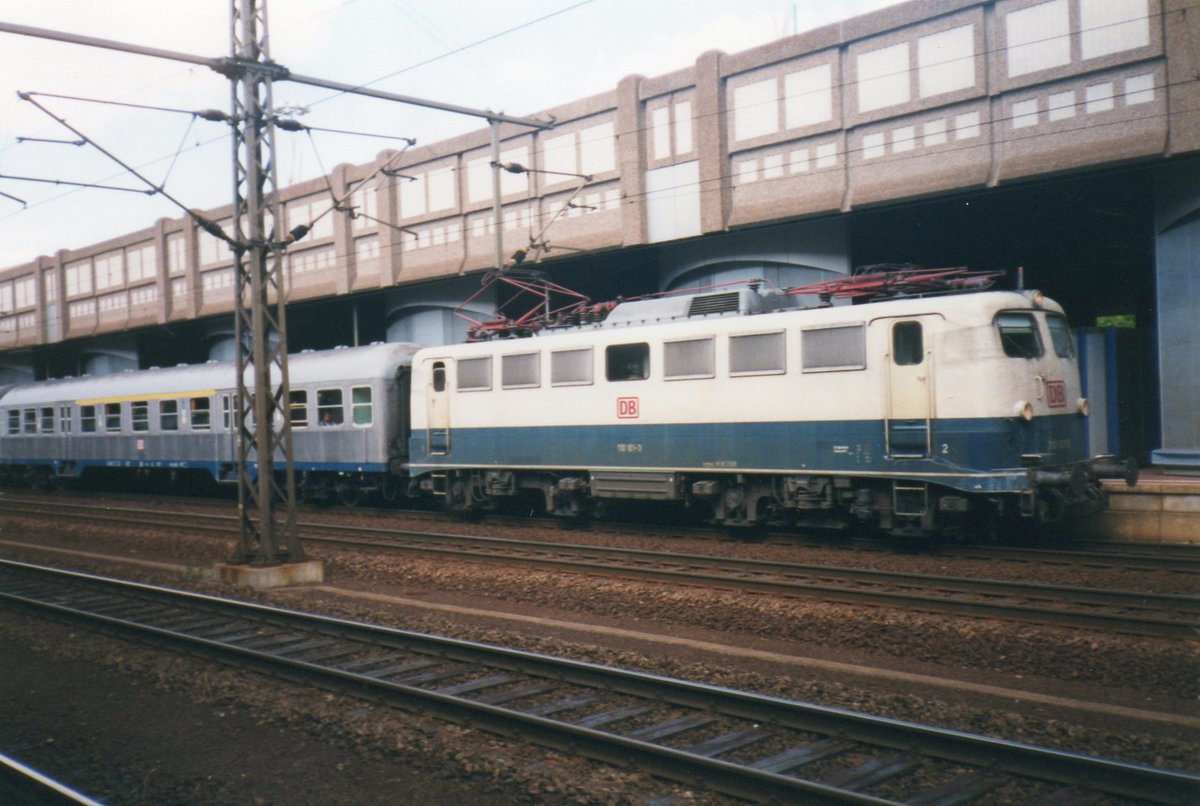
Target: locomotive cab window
{"x": 439, "y": 377}
{"x": 298, "y": 407}
{"x": 329, "y": 407}
{"x": 627, "y": 362}
{"x": 168, "y": 415}
{"x": 1019, "y": 335}
{"x": 360, "y": 405}
{"x": 908, "y": 344}
{"x": 1060, "y": 335}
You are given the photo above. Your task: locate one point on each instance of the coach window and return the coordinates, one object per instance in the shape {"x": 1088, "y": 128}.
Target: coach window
{"x": 694, "y": 358}
{"x": 87, "y": 419}
{"x": 64, "y": 419}
{"x": 30, "y": 421}
{"x": 140, "y": 415}
{"x": 360, "y": 405}
{"x": 112, "y": 416}
{"x": 520, "y": 371}
{"x": 833, "y": 349}
{"x": 908, "y": 344}
{"x": 14, "y": 421}
{"x": 627, "y": 362}
{"x": 199, "y": 409}
{"x": 475, "y": 374}
{"x": 571, "y": 367}
{"x": 329, "y": 407}
{"x": 1019, "y": 335}
{"x": 757, "y": 354}
{"x": 1060, "y": 336}
{"x": 47, "y": 420}
{"x": 168, "y": 415}
{"x": 298, "y": 407}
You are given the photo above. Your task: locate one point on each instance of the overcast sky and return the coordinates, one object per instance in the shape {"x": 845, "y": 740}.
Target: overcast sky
{"x": 538, "y": 53}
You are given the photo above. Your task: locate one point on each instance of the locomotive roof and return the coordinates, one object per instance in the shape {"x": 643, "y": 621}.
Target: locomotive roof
{"x": 334, "y": 366}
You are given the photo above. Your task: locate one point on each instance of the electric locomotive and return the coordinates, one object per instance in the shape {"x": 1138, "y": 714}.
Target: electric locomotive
{"x": 914, "y": 414}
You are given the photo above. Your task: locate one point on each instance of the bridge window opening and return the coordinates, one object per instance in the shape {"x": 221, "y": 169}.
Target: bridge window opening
{"x": 475, "y": 374}
{"x": 360, "y": 405}
{"x": 298, "y": 407}
{"x": 627, "y": 362}
{"x": 1019, "y": 335}
{"x": 168, "y": 415}
{"x": 330, "y": 410}
{"x": 908, "y": 344}
{"x": 87, "y": 419}
{"x": 14, "y": 422}
{"x": 112, "y": 416}
{"x": 140, "y": 415}
{"x": 520, "y": 371}
{"x": 1060, "y": 336}
{"x": 200, "y": 410}
{"x": 757, "y": 354}
{"x": 571, "y": 367}
{"x": 694, "y": 358}
{"x": 830, "y": 349}
{"x": 47, "y": 426}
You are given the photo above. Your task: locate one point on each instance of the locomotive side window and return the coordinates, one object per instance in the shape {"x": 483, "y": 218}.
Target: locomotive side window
{"x": 520, "y": 371}
{"x": 694, "y": 358}
{"x": 329, "y": 407}
{"x": 908, "y": 344}
{"x": 298, "y": 407}
{"x": 627, "y": 362}
{"x": 1019, "y": 335}
{"x": 112, "y": 416}
{"x": 360, "y": 405}
{"x": 87, "y": 419}
{"x": 168, "y": 415}
{"x": 571, "y": 367}
{"x": 199, "y": 410}
{"x": 829, "y": 349}
{"x": 475, "y": 374}
{"x": 47, "y": 419}
{"x": 30, "y": 421}
{"x": 757, "y": 354}
{"x": 14, "y": 421}
{"x": 1060, "y": 335}
{"x": 140, "y": 412}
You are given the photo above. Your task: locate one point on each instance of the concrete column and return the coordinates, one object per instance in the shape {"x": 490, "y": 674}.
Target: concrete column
{"x": 1177, "y": 270}
{"x": 344, "y": 261}
{"x": 712, "y": 144}
{"x": 391, "y": 240}
{"x": 631, "y": 160}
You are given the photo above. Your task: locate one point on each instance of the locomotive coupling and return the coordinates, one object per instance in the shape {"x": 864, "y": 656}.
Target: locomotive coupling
{"x": 1113, "y": 467}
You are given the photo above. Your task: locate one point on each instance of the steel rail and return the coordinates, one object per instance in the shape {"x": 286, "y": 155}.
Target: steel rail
{"x": 688, "y": 731}
{"x": 1133, "y": 612}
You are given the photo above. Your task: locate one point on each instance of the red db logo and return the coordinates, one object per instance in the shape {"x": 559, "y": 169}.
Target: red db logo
{"x": 1056, "y": 394}
{"x": 627, "y": 408}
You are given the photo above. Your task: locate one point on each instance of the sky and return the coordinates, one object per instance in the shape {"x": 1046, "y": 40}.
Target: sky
{"x": 517, "y": 57}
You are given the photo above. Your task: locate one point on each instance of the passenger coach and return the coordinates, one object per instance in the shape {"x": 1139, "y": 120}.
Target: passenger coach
{"x": 915, "y": 415}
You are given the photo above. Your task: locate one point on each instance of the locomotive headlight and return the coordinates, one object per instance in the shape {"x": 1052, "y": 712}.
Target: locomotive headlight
{"x": 1083, "y": 406}
{"x": 1024, "y": 410}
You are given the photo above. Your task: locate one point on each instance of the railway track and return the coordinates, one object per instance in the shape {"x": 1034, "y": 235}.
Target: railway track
{"x": 743, "y": 744}
{"x": 1129, "y": 612}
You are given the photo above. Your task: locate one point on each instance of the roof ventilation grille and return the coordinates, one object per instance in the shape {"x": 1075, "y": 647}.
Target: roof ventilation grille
{"x": 714, "y": 303}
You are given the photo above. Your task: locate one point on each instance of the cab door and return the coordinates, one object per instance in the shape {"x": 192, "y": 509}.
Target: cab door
{"x": 437, "y": 406}
{"x": 910, "y": 408}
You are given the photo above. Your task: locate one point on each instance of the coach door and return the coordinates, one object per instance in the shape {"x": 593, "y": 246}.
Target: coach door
{"x": 910, "y": 386}
{"x": 437, "y": 407}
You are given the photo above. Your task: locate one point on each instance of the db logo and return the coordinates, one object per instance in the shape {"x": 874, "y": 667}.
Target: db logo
{"x": 1056, "y": 394}
{"x": 627, "y": 408}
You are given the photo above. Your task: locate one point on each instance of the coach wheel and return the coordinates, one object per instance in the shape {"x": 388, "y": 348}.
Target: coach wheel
{"x": 348, "y": 493}
{"x": 389, "y": 489}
